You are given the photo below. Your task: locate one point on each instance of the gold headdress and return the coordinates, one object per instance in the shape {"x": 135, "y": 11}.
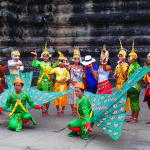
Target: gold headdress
{"x": 61, "y": 56}
{"x": 15, "y": 53}
{"x": 122, "y": 50}
{"x": 76, "y": 53}
{"x": 148, "y": 57}
{"x": 45, "y": 51}
{"x": 104, "y": 55}
{"x": 133, "y": 54}
{"x": 79, "y": 85}
{"x": 18, "y": 80}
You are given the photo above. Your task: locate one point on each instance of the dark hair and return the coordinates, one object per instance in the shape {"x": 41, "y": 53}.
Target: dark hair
{"x": 82, "y": 90}
{"x": 20, "y": 83}
{"x": 109, "y": 63}
{"x": 138, "y": 60}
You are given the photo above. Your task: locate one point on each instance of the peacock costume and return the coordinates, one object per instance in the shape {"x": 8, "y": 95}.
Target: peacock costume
{"x": 108, "y": 110}
{"x": 19, "y": 104}
{"x": 19, "y": 113}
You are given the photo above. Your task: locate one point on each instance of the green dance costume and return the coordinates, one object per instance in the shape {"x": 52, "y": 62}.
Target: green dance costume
{"x": 19, "y": 113}
{"x": 134, "y": 92}
{"x": 45, "y": 80}
{"x": 85, "y": 113}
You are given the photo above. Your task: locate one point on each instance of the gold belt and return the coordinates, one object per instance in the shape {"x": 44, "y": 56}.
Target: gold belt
{"x": 119, "y": 82}
{"x": 102, "y": 84}
{"x": 60, "y": 82}
{"x": 45, "y": 79}
{"x": 18, "y": 103}
{"x": 91, "y": 113}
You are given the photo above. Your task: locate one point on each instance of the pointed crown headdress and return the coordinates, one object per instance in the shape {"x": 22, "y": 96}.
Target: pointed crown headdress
{"x": 61, "y": 56}
{"x": 76, "y": 53}
{"x": 122, "y": 50}
{"x": 45, "y": 51}
{"x": 133, "y": 54}
{"x": 104, "y": 52}
{"x": 15, "y": 53}
{"x": 148, "y": 55}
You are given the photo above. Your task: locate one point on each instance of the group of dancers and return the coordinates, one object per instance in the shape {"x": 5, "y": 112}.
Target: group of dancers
{"x": 78, "y": 76}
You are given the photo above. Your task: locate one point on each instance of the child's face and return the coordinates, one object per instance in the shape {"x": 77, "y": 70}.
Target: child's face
{"x": 45, "y": 58}
{"x": 76, "y": 61}
{"x": 78, "y": 92}
{"x": 121, "y": 58}
{"x": 61, "y": 63}
{"x": 18, "y": 86}
{"x": 131, "y": 60}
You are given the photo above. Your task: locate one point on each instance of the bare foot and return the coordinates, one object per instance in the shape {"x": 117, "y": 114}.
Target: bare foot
{"x": 45, "y": 114}
{"x": 74, "y": 113}
{"x": 129, "y": 120}
{"x": 62, "y": 113}
{"x": 148, "y": 122}
{"x": 59, "y": 114}
{"x": 134, "y": 121}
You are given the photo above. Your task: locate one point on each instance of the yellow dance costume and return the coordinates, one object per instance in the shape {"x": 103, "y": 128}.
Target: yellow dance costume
{"x": 61, "y": 85}
{"x": 121, "y": 71}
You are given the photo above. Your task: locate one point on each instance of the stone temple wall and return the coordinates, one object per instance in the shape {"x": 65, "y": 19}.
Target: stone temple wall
{"x": 27, "y": 24}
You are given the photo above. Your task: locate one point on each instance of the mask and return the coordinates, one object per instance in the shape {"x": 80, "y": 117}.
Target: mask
{"x": 148, "y": 58}
{"x": 15, "y": 57}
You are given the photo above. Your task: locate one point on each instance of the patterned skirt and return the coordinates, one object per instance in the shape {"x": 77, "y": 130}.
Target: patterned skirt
{"x": 133, "y": 94}
{"x": 61, "y": 87}
{"x": 45, "y": 85}
{"x": 1, "y": 86}
{"x": 147, "y": 96}
{"x": 104, "y": 87}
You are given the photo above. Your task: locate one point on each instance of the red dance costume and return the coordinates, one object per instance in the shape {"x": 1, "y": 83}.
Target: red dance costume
{"x": 2, "y": 76}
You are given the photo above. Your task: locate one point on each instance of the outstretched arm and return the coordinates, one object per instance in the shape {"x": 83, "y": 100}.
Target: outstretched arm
{"x": 7, "y": 105}
{"x": 31, "y": 103}
{"x": 35, "y": 62}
